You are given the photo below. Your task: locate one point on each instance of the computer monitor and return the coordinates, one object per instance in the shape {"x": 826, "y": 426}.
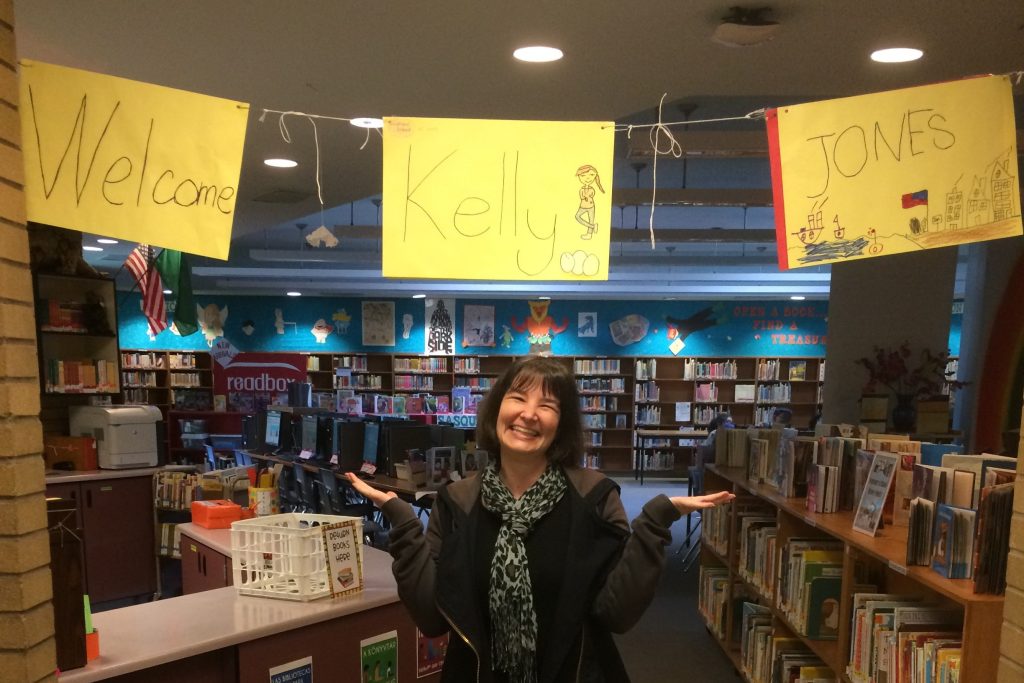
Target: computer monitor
{"x": 348, "y": 443}
{"x": 272, "y": 433}
{"x": 308, "y": 435}
{"x": 371, "y": 433}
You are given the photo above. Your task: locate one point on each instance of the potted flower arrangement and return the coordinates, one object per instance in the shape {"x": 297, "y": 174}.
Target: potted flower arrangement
{"x": 907, "y": 378}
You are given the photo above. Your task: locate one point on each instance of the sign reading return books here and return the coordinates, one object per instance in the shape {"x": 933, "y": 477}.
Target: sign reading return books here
{"x": 344, "y": 564}
{"x": 872, "y": 500}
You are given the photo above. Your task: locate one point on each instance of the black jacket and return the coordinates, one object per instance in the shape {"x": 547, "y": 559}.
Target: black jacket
{"x": 609, "y": 578}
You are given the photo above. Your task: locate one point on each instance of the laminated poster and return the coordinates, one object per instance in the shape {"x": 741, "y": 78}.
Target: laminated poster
{"x": 379, "y": 658}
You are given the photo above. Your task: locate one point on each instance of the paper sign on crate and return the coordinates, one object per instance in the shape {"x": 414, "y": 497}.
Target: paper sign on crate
{"x": 344, "y": 565}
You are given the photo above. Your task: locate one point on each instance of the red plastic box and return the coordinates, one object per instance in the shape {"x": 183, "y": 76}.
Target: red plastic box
{"x": 215, "y": 514}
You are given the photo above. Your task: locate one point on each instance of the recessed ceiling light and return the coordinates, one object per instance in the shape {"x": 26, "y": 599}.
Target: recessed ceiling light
{"x": 167, "y": 291}
{"x": 281, "y": 163}
{"x": 797, "y": 297}
{"x": 294, "y": 293}
{"x": 92, "y": 248}
{"x": 367, "y": 122}
{"x": 896, "y": 54}
{"x": 544, "y": 298}
{"x": 419, "y": 296}
{"x": 537, "y": 53}
{"x": 106, "y": 240}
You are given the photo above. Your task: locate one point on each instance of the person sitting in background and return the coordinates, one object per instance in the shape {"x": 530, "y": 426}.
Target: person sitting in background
{"x": 531, "y": 564}
{"x": 706, "y": 450}
{"x": 782, "y": 417}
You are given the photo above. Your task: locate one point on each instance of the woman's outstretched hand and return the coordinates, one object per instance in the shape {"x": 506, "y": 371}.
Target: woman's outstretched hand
{"x": 687, "y": 504}
{"x": 375, "y": 496}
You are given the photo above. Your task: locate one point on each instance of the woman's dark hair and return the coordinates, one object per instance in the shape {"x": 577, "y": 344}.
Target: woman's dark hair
{"x": 718, "y": 420}
{"x": 555, "y": 379}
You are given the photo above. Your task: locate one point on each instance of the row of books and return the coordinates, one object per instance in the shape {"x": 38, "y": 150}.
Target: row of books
{"x": 475, "y": 383}
{"x": 134, "y": 378}
{"x": 181, "y": 361}
{"x": 614, "y": 385}
{"x": 80, "y": 376}
{"x": 698, "y": 369}
{"x": 648, "y": 415}
{"x": 647, "y": 391}
{"x": 705, "y": 392}
{"x": 175, "y": 490}
{"x": 346, "y": 380}
{"x": 590, "y": 403}
{"x": 170, "y": 540}
{"x": 185, "y": 379}
{"x": 593, "y": 439}
{"x": 774, "y": 393}
{"x": 437, "y": 364}
{"x": 142, "y": 359}
{"x": 412, "y": 382}
{"x": 646, "y": 368}
{"x": 757, "y": 534}
{"x": 591, "y": 461}
{"x": 599, "y": 366}
{"x": 467, "y": 365}
{"x": 654, "y": 460}
{"x": 810, "y": 577}
{"x": 54, "y": 315}
{"x": 766, "y": 656}
{"x": 899, "y": 639}
{"x": 192, "y": 399}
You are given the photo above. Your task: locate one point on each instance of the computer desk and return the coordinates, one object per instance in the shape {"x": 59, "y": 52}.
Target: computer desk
{"x": 406, "y": 490}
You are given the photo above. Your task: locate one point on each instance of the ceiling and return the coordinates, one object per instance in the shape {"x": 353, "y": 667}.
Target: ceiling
{"x": 453, "y": 59}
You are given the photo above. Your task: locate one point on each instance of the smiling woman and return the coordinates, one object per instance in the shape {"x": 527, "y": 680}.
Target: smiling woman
{"x": 531, "y": 565}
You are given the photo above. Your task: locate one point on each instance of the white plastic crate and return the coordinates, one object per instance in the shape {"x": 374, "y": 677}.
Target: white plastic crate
{"x": 282, "y": 556}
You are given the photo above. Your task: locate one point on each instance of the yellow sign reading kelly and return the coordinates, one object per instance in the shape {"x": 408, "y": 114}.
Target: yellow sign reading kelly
{"x": 130, "y": 160}
{"x": 497, "y": 200}
{"x": 895, "y": 172}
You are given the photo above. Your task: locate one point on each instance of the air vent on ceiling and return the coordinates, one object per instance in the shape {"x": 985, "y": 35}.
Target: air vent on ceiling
{"x": 282, "y": 197}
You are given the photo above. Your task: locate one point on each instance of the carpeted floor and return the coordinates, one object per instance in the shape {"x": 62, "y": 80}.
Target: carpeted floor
{"x": 670, "y": 643}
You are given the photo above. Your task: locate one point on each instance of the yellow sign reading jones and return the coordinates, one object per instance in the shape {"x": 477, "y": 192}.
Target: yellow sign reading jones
{"x": 894, "y": 172}
{"x": 497, "y": 200}
{"x": 130, "y": 160}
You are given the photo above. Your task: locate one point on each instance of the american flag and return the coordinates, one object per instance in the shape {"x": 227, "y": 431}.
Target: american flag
{"x": 151, "y": 287}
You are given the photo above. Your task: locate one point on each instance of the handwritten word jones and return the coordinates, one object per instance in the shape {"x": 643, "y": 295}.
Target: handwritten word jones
{"x": 161, "y": 188}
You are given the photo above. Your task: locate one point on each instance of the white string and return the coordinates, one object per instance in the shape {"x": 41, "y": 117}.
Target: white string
{"x": 749, "y": 116}
{"x": 674, "y": 148}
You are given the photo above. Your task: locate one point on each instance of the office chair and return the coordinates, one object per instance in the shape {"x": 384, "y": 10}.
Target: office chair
{"x": 305, "y": 491}
{"x": 242, "y": 458}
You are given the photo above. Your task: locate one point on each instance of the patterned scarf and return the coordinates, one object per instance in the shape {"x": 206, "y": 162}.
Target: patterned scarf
{"x": 513, "y": 619}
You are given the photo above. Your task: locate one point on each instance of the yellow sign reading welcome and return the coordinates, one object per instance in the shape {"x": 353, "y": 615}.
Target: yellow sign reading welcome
{"x": 497, "y": 200}
{"x": 130, "y": 160}
{"x": 894, "y": 172}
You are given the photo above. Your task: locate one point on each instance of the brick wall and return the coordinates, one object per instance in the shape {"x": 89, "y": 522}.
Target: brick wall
{"x": 27, "y": 649}
{"x": 1011, "y": 645}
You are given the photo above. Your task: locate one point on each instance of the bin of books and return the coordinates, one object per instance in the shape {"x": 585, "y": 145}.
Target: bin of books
{"x": 297, "y": 556}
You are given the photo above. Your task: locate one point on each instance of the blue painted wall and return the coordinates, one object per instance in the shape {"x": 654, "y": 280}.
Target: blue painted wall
{"x": 737, "y": 328}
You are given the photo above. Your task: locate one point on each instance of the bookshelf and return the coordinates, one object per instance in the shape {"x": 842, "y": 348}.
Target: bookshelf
{"x": 606, "y": 393}
{"x": 878, "y": 560}
{"x": 179, "y": 380}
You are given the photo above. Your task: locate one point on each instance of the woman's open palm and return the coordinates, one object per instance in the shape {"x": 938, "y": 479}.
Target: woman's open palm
{"x": 688, "y": 504}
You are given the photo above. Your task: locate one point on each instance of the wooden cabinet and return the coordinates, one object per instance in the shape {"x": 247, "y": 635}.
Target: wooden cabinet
{"x": 116, "y": 518}
{"x": 202, "y": 567}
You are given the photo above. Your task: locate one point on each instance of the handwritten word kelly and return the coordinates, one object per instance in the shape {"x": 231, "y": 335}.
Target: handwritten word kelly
{"x": 128, "y": 179}
{"x": 479, "y": 211}
{"x": 847, "y": 152}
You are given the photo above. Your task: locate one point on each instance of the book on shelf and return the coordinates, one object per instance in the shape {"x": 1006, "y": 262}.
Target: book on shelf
{"x": 953, "y": 541}
{"x": 978, "y": 465}
{"x": 903, "y": 488}
{"x": 797, "y": 370}
{"x": 881, "y": 470}
{"x": 919, "y": 532}
{"x": 744, "y": 393}
{"x": 993, "y": 543}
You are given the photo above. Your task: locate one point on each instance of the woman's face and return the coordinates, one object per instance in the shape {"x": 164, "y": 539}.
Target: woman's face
{"x": 587, "y": 177}
{"x": 527, "y": 421}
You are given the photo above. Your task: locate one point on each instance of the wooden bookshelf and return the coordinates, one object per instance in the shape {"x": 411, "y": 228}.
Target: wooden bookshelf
{"x": 882, "y": 556}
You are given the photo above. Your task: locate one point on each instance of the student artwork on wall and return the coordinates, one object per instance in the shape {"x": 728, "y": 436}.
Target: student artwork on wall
{"x": 248, "y": 327}
{"x": 629, "y": 329}
{"x": 477, "y": 325}
{"x": 406, "y": 325}
{"x": 540, "y": 326}
{"x": 378, "y": 323}
{"x": 586, "y": 325}
{"x": 280, "y": 324}
{"x": 439, "y": 337}
{"x": 440, "y": 329}
{"x": 321, "y": 330}
{"x": 211, "y": 321}
{"x": 341, "y": 320}
{"x": 895, "y": 172}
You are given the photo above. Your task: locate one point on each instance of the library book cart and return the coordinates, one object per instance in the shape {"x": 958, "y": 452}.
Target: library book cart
{"x": 878, "y": 560}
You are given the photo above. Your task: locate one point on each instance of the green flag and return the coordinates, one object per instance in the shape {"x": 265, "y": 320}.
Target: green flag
{"x": 177, "y": 274}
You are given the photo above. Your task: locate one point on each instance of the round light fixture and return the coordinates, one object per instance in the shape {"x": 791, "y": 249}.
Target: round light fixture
{"x": 294, "y": 293}
{"x": 544, "y": 298}
{"x": 367, "y": 122}
{"x": 281, "y": 163}
{"x": 537, "y": 54}
{"x": 892, "y": 55}
{"x": 106, "y": 240}
{"x": 167, "y": 291}
{"x": 797, "y": 297}
{"x": 92, "y": 248}
{"x": 419, "y": 296}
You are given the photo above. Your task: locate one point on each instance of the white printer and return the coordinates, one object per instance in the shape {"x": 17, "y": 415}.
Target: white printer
{"x": 125, "y": 435}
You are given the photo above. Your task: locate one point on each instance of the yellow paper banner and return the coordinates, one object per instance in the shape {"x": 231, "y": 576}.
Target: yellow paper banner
{"x": 497, "y": 200}
{"x": 895, "y": 172}
{"x": 130, "y": 160}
